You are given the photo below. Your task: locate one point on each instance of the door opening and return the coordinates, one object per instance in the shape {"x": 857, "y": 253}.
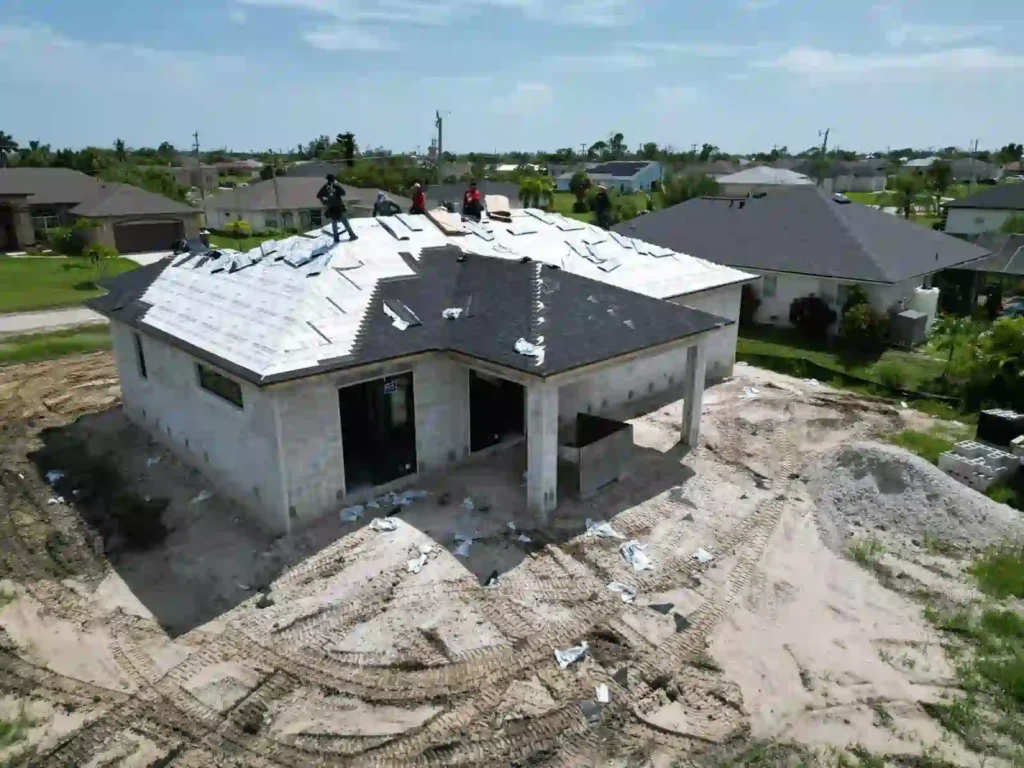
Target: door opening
{"x": 378, "y": 431}
{"x": 496, "y": 410}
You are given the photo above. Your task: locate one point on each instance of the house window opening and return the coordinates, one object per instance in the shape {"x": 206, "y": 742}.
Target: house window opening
{"x": 220, "y": 385}
{"x": 140, "y": 356}
{"x": 378, "y": 431}
{"x": 496, "y": 410}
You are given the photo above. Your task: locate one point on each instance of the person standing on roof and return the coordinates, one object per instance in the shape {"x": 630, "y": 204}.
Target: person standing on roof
{"x": 379, "y": 208}
{"x": 471, "y": 203}
{"x": 332, "y": 197}
{"x": 603, "y": 207}
{"x": 419, "y": 200}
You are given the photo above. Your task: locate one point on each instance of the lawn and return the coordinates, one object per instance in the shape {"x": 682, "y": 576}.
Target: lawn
{"x": 226, "y": 241}
{"x": 563, "y": 202}
{"x": 45, "y": 283}
{"x": 46, "y": 346}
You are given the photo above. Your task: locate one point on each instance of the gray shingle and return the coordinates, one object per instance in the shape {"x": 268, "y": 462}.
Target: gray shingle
{"x": 1002, "y": 196}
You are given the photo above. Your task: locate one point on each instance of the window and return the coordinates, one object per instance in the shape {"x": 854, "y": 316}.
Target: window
{"x": 287, "y": 220}
{"x": 140, "y": 356}
{"x": 316, "y": 217}
{"x": 270, "y": 223}
{"x": 222, "y": 386}
{"x": 769, "y": 285}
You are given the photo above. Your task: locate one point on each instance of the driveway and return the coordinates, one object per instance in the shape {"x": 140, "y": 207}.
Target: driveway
{"x": 47, "y": 320}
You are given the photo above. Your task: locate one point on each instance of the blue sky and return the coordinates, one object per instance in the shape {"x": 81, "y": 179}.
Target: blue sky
{"x": 514, "y": 74}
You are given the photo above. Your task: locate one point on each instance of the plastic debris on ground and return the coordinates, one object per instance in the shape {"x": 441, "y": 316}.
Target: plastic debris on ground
{"x": 511, "y": 525}
{"x": 416, "y": 564}
{"x": 153, "y": 460}
{"x": 536, "y": 351}
{"x": 633, "y": 551}
{"x": 603, "y": 694}
{"x": 452, "y": 313}
{"x": 749, "y": 393}
{"x": 201, "y": 497}
{"x": 626, "y": 592}
{"x": 467, "y": 504}
{"x": 463, "y": 549}
{"x": 603, "y": 530}
{"x": 903, "y": 404}
{"x": 426, "y": 549}
{"x": 702, "y": 556}
{"x": 382, "y": 524}
{"x": 54, "y": 476}
{"x": 571, "y": 655}
{"x": 524, "y": 539}
{"x": 55, "y": 500}
{"x": 351, "y": 514}
{"x": 814, "y": 382}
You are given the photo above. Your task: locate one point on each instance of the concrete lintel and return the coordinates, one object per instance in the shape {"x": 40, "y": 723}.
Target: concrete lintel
{"x": 542, "y": 448}
{"x": 693, "y": 392}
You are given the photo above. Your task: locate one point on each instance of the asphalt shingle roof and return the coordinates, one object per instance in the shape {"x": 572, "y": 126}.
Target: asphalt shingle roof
{"x": 112, "y": 199}
{"x": 762, "y": 174}
{"x": 48, "y": 186}
{"x": 1002, "y": 196}
{"x": 293, "y": 192}
{"x": 452, "y": 193}
{"x": 621, "y": 168}
{"x": 803, "y": 231}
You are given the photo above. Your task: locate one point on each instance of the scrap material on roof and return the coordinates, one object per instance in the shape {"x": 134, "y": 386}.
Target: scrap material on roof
{"x": 305, "y": 304}
{"x": 497, "y": 204}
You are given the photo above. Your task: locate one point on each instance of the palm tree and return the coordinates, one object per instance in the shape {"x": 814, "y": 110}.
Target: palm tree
{"x": 119, "y": 150}
{"x": 8, "y": 146}
{"x": 948, "y": 332}
{"x": 615, "y": 143}
{"x": 536, "y": 191}
{"x": 940, "y": 176}
{"x": 906, "y": 188}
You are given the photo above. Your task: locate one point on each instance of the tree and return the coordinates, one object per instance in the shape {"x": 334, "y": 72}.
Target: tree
{"x": 99, "y": 256}
{"x": 679, "y": 189}
{"x": 998, "y": 372}
{"x": 578, "y": 185}
{"x": 8, "y": 146}
{"x": 705, "y": 152}
{"x": 347, "y": 143}
{"x": 1014, "y": 225}
{"x": 564, "y": 155}
{"x": 1011, "y": 153}
{"x": 649, "y": 151}
{"x": 597, "y": 149}
{"x": 239, "y": 229}
{"x": 905, "y": 188}
{"x": 616, "y": 144}
{"x": 119, "y": 150}
{"x": 949, "y": 332}
{"x": 940, "y": 177}
{"x": 166, "y": 150}
{"x": 536, "y": 191}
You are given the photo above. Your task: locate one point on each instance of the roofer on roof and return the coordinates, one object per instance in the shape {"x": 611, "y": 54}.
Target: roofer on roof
{"x": 471, "y": 203}
{"x": 603, "y": 207}
{"x": 332, "y": 196}
{"x": 419, "y": 200}
{"x": 379, "y": 209}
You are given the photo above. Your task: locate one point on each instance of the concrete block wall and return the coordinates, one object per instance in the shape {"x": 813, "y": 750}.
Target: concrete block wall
{"x": 235, "y": 448}
{"x": 977, "y": 465}
{"x": 441, "y": 392}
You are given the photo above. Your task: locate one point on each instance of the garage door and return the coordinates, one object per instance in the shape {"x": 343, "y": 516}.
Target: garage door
{"x": 152, "y": 236}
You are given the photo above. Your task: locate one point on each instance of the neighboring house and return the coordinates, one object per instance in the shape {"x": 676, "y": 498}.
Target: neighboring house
{"x": 438, "y": 194}
{"x": 289, "y": 202}
{"x": 318, "y": 168}
{"x": 1013, "y": 169}
{"x": 623, "y": 175}
{"x": 921, "y": 164}
{"x": 304, "y": 376}
{"x": 761, "y": 178}
{"x": 972, "y": 169}
{"x": 205, "y": 177}
{"x": 33, "y": 200}
{"x": 805, "y": 243}
{"x": 512, "y": 167}
{"x": 248, "y": 167}
{"x": 984, "y": 211}
{"x": 845, "y": 176}
{"x": 716, "y": 169}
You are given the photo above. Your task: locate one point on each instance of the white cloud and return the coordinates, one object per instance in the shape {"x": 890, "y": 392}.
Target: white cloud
{"x": 757, "y": 5}
{"x": 526, "y": 99}
{"x": 582, "y": 13}
{"x": 674, "y": 96}
{"x": 586, "y": 63}
{"x": 820, "y": 64}
{"x": 237, "y": 15}
{"x": 704, "y": 50}
{"x": 899, "y": 33}
{"x": 347, "y": 37}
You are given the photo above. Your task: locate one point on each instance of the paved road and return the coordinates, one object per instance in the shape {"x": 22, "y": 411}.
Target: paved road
{"x": 47, "y": 320}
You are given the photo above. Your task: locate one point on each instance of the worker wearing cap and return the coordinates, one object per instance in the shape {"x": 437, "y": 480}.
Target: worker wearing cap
{"x": 471, "y": 203}
{"x": 419, "y": 200}
{"x": 603, "y": 207}
{"x": 378, "y": 205}
{"x": 332, "y": 197}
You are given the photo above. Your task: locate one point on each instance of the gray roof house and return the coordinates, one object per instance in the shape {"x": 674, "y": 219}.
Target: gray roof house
{"x": 290, "y": 202}
{"x": 759, "y": 179}
{"x": 806, "y": 242}
{"x": 623, "y": 175}
{"x": 304, "y": 375}
{"x": 984, "y": 211}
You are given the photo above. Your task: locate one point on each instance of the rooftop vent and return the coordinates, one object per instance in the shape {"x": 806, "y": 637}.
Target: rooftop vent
{"x": 840, "y": 198}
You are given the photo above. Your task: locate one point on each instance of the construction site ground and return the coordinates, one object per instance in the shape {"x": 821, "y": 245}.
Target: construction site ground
{"x": 144, "y": 621}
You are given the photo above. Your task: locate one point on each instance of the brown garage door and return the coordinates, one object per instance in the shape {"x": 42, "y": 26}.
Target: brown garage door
{"x": 151, "y": 236}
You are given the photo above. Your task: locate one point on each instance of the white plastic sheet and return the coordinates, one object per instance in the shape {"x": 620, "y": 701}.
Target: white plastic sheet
{"x": 626, "y": 592}
{"x": 603, "y": 530}
{"x": 633, "y": 551}
{"x": 750, "y": 393}
{"x": 351, "y": 514}
{"x": 201, "y": 497}
{"x": 702, "y": 556}
{"x": 452, "y": 313}
{"x": 54, "y": 476}
{"x": 536, "y": 351}
{"x": 382, "y": 524}
{"x": 570, "y": 655}
{"x": 602, "y": 693}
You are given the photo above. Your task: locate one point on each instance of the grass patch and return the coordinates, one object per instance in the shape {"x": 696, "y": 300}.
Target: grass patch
{"x": 13, "y": 731}
{"x": 45, "y": 283}
{"x": 1009, "y": 492}
{"x": 226, "y": 241}
{"x": 866, "y": 551}
{"x": 1000, "y": 573}
{"x": 928, "y": 445}
{"x": 47, "y": 346}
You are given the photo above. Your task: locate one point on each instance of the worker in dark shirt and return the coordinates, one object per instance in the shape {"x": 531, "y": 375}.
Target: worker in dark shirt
{"x": 471, "y": 203}
{"x": 419, "y": 200}
{"x": 603, "y": 207}
{"x": 332, "y": 196}
{"x": 379, "y": 206}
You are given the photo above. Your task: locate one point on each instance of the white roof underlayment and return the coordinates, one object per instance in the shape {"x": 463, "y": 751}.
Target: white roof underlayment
{"x": 290, "y": 304}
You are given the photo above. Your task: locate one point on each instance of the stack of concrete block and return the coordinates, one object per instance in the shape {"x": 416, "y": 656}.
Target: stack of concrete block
{"x": 1017, "y": 448}
{"x": 977, "y": 465}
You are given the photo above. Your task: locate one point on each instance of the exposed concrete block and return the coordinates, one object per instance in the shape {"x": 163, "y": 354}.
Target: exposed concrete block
{"x": 542, "y": 448}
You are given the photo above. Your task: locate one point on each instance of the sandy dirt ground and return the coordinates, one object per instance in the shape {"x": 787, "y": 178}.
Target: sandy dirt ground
{"x": 143, "y": 624}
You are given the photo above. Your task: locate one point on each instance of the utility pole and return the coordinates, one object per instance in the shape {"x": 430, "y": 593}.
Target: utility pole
{"x": 974, "y": 164}
{"x": 824, "y": 152}
{"x": 277, "y": 196}
{"x": 440, "y": 136}
{"x": 199, "y": 165}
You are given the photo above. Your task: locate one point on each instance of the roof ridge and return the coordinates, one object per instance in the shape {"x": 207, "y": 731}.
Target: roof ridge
{"x": 833, "y": 209}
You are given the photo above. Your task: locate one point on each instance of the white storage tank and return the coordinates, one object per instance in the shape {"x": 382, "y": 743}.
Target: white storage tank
{"x": 926, "y": 300}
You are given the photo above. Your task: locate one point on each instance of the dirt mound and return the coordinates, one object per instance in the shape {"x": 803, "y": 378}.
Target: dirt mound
{"x": 869, "y": 486}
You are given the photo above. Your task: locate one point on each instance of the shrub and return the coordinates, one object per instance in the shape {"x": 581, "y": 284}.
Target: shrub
{"x": 62, "y": 240}
{"x": 749, "y": 303}
{"x": 864, "y": 327}
{"x": 811, "y": 316}
{"x": 580, "y": 206}
{"x": 855, "y": 296}
{"x": 997, "y": 375}
{"x": 892, "y": 375}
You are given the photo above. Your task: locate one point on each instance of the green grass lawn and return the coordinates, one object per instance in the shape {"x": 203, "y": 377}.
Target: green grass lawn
{"x": 562, "y": 203}
{"x": 226, "y": 241}
{"x": 46, "y": 346}
{"x": 45, "y": 283}
{"x": 928, "y": 445}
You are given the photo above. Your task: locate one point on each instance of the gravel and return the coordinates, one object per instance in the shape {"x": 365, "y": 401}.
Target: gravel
{"x": 863, "y": 487}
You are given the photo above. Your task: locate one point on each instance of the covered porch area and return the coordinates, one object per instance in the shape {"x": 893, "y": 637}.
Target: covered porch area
{"x": 16, "y": 230}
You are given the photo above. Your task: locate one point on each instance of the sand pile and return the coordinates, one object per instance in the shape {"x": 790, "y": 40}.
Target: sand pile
{"x": 869, "y": 486}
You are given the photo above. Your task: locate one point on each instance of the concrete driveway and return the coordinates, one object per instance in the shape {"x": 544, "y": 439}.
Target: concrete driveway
{"x": 47, "y": 320}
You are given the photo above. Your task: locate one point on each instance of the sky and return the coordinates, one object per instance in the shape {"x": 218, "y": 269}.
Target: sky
{"x": 527, "y": 75}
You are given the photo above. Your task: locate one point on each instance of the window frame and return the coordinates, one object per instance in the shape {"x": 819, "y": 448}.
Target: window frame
{"x": 205, "y": 372}
{"x": 140, "y": 357}
{"x": 765, "y": 292}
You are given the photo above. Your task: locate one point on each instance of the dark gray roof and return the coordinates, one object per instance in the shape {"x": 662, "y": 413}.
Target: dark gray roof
{"x": 113, "y": 199}
{"x": 971, "y": 167}
{"x": 48, "y": 186}
{"x": 1002, "y": 196}
{"x": 803, "y": 231}
{"x": 293, "y": 192}
{"x": 438, "y": 193}
{"x": 1007, "y": 254}
{"x": 583, "y": 321}
{"x": 623, "y": 168}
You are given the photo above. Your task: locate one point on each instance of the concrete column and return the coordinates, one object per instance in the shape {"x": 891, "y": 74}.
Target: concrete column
{"x": 542, "y": 448}
{"x": 693, "y": 392}
{"x": 23, "y": 225}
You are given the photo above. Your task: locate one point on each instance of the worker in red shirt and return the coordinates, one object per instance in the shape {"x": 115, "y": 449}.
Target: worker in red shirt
{"x": 419, "y": 200}
{"x": 471, "y": 202}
